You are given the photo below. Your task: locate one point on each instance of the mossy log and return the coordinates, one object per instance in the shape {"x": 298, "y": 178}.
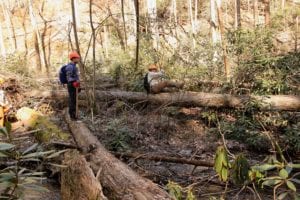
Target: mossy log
{"x": 200, "y": 99}
{"x": 78, "y": 181}
{"x": 115, "y": 176}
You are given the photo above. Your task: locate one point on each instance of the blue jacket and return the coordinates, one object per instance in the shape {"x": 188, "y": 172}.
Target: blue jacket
{"x": 72, "y": 72}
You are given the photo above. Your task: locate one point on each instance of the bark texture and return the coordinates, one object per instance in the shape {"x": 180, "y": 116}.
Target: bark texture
{"x": 77, "y": 179}
{"x": 201, "y": 99}
{"x": 114, "y": 175}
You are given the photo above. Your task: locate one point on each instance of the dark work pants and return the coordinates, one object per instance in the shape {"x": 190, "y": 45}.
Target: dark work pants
{"x": 72, "y": 100}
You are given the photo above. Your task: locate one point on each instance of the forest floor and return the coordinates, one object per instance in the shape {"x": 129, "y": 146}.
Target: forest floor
{"x": 148, "y": 130}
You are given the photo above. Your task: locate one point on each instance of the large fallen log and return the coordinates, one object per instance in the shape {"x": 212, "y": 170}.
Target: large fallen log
{"x": 267, "y": 102}
{"x": 114, "y": 175}
{"x": 77, "y": 179}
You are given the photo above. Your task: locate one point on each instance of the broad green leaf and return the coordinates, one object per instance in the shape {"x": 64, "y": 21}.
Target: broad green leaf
{"x": 282, "y": 196}
{"x": 2, "y": 155}
{"x": 291, "y": 186}
{"x": 3, "y": 131}
{"x": 6, "y": 146}
{"x": 190, "y": 195}
{"x": 271, "y": 182}
{"x": 254, "y": 175}
{"x": 224, "y": 174}
{"x": 8, "y": 127}
{"x": 264, "y": 167}
{"x": 295, "y": 166}
{"x": 283, "y": 173}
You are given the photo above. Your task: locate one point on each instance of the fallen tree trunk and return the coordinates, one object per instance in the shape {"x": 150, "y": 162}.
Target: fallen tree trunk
{"x": 267, "y": 102}
{"x": 77, "y": 179}
{"x": 115, "y": 175}
{"x": 165, "y": 159}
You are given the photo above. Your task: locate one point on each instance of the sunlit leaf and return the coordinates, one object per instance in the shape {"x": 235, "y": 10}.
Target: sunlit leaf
{"x": 264, "y": 167}
{"x": 271, "y": 182}
{"x": 295, "y": 166}
{"x": 224, "y": 174}
{"x": 291, "y": 186}
{"x": 4, "y": 131}
{"x": 6, "y": 146}
{"x": 8, "y": 127}
{"x": 283, "y": 173}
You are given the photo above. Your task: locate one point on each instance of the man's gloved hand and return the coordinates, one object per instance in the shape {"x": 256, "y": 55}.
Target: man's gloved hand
{"x": 76, "y": 84}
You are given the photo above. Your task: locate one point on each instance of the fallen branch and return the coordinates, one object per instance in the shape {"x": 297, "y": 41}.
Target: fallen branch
{"x": 121, "y": 181}
{"x": 165, "y": 159}
{"x": 198, "y": 99}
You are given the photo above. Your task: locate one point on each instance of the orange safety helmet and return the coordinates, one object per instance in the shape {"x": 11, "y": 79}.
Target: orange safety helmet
{"x": 74, "y": 54}
{"x": 153, "y": 66}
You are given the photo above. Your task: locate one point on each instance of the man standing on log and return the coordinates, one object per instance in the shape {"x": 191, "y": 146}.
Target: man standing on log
{"x": 73, "y": 83}
{"x": 157, "y": 83}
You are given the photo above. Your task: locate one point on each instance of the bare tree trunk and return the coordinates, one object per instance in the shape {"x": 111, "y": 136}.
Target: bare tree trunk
{"x": 43, "y": 36}
{"x": 190, "y": 99}
{"x": 174, "y": 11}
{"x": 214, "y": 28}
{"x": 137, "y": 15}
{"x": 38, "y": 61}
{"x": 282, "y": 4}
{"x": 38, "y": 35}
{"x": 94, "y": 51}
{"x": 106, "y": 40}
{"x": 297, "y": 31}
{"x": 77, "y": 13}
{"x": 267, "y": 12}
{"x": 49, "y": 47}
{"x": 237, "y": 21}
{"x": 192, "y": 22}
{"x": 9, "y": 24}
{"x": 25, "y": 33}
{"x": 124, "y": 23}
{"x": 223, "y": 42}
{"x": 69, "y": 36}
{"x": 81, "y": 65}
{"x": 2, "y": 45}
{"x": 119, "y": 32}
{"x": 152, "y": 16}
{"x": 255, "y": 12}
